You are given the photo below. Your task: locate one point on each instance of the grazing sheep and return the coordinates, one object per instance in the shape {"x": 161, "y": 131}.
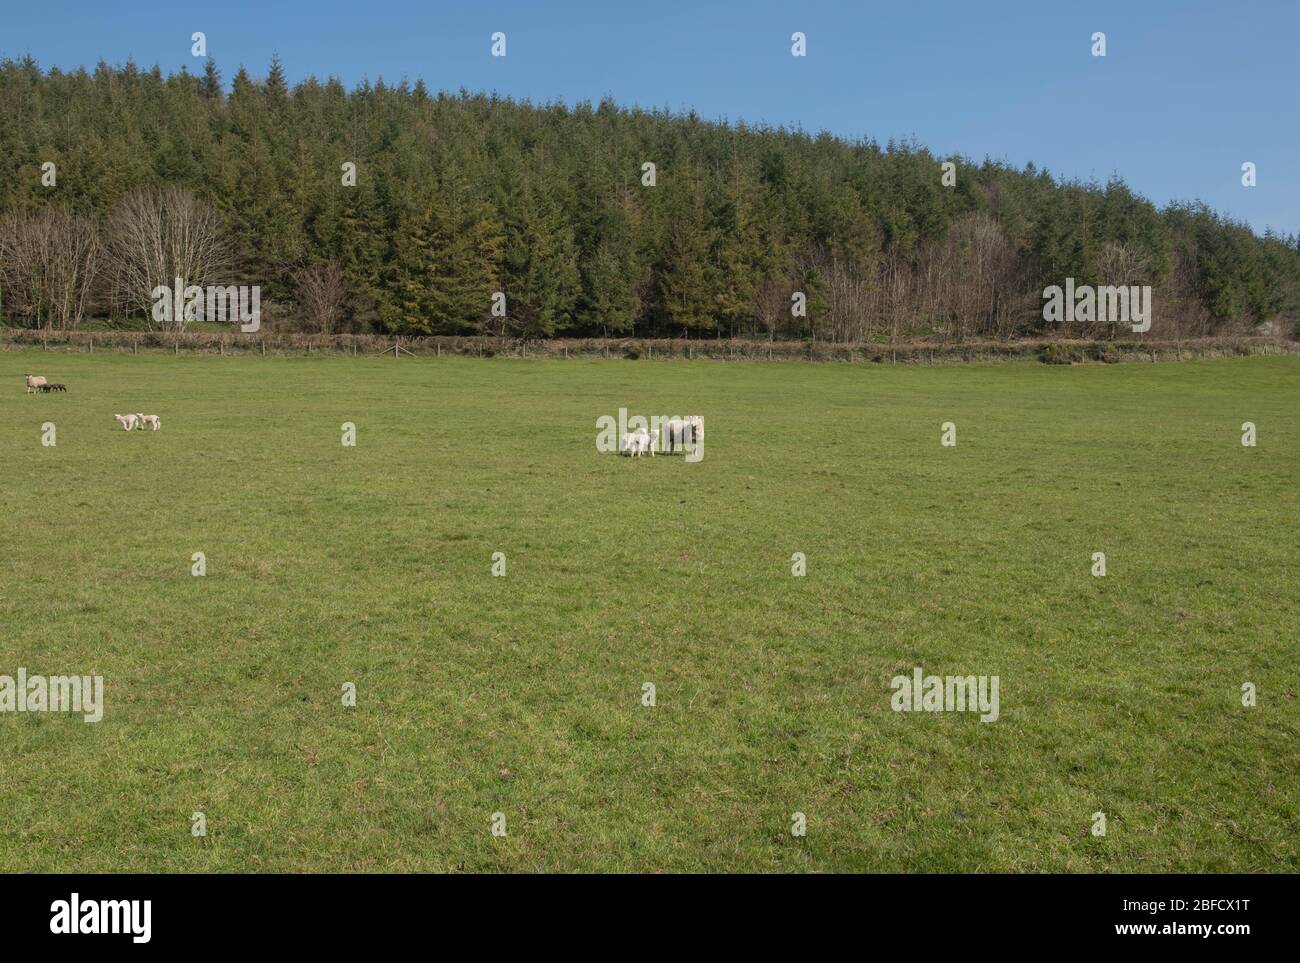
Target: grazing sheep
{"x": 680, "y": 431}
{"x": 629, "y": 444}
{"x": 651, "y": 442}
{"x": 34, "y": 382}
{"x": 153, "y": 421}
{"x": 127, "y": 421}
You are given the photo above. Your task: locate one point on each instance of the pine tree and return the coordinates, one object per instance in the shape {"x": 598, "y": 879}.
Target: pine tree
{"x": 210, "y": 83}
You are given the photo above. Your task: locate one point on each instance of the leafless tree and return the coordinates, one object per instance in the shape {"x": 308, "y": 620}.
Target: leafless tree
{"x": 49, "y": 259}
{"x": 321, "y": 290}
{"x": 158, "y": 235}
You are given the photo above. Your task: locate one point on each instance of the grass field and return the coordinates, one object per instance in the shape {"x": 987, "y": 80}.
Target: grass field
{"x": 522, "y": 695}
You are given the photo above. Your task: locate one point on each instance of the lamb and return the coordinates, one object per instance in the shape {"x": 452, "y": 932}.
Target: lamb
{"x": 34, "y": 382}
{"x": 51, "y": 386}
{"x": 127, "y": 421}
{"x": 139, "y": 420}
{"x": 153, "y": 421}
{"x": 630, "y": 443}
{"x": 650, "y": 442}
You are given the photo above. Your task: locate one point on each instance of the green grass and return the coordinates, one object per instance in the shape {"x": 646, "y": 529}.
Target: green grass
{"x": 522, "y": 694}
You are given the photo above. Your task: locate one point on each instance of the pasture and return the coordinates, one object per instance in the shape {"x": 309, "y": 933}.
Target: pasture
{"x": 522, "y": 694}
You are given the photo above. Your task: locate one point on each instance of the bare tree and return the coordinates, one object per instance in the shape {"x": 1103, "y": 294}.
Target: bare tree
{"x": 48, "y": 263}
{"x": 157, "y": 236}
{"x": 321, "y": 292}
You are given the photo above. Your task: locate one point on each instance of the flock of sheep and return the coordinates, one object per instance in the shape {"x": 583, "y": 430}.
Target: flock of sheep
{"x": 128, "y": 422}
{"x": 678, "y": 431}
{"x": 38, "y": 383}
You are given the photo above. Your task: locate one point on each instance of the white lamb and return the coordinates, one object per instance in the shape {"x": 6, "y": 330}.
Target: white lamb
{"x": 34, "y": 382}
{"x": 153, "y": 421}
{"x": 127, "y": 421}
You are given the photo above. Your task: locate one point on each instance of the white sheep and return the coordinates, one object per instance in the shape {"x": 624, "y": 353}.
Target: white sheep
{"x": 34, "y": 382}
{"x": 127, "y": 421}
{"x": 650, "y": 442}
{"x": 153, "y": 421}
{"x": 629, "y": 443}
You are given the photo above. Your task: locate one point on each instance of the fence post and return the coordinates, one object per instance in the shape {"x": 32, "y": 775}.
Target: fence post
{"x": 92, "y": 345}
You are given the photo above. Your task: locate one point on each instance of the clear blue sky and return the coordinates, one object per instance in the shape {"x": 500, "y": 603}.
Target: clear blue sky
{"x": 1187, "y": 92}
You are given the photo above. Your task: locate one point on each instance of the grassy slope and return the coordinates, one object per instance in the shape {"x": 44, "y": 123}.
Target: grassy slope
{"x": 371, "y": 565}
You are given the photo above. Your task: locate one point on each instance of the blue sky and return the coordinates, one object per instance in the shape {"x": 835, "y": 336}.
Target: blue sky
{"x": 1188, "y": 90}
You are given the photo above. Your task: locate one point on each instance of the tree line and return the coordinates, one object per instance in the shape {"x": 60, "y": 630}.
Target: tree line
{"x": 392, "y": 209}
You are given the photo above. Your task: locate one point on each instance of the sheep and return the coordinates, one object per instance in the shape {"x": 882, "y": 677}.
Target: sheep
{"x": 139, "y": 420}
{"x": 34, "y": 382}
{"x": 127, "y": 421}
{"x": 643, "y": 442}
{"x": 631, "y": 441}
{"x": 51, "y": 386}
{"x": 651, "y": 442}
{"x": 153, "y": 421}
{"x": 681, "y": 430}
